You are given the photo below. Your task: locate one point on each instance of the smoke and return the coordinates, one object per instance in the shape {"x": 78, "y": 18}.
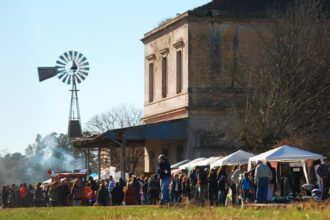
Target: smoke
{"x": 46, "y": 154}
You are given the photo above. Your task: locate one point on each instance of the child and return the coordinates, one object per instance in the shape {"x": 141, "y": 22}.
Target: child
{"x": 246, "y": 188}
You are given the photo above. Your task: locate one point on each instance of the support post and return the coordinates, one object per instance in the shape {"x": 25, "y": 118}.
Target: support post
{"x": 122, "y": 160}
{"x": 99, "y": 160}
{"x": 88, "y": 161}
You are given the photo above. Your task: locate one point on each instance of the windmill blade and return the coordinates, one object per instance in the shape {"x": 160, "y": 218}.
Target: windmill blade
{"x": 63, "y": 59}
{"x": 75, "y": 55}
{"x": 71, "y": 55}
{"x": 66, "y": 55}
{"x": 59, "y": 68}
{"x": 83, "y": 72}
{"x": 78, "y": 79}
{"x": 69, "y": 80}
{"x": 84, "y": 64}
{"x": 86, "y": 69}
{"x": 65, "y": 78}
{"x": 61, "y": 75}
{"x": 81, "y": 76}
{"x": 80, "y": 56}
{"x": 46, "y": 73}
{"x": 60, "y": 63}
{"x": 82, "y": 61}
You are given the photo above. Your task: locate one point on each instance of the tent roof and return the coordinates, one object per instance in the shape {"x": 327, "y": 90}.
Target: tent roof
{"x": 239, "y": 157}
{"x": 177, "y": 165}
{"x": 286, "y": 153}
{"x": 207, "y": 162}
{"x": 191, "y": 163}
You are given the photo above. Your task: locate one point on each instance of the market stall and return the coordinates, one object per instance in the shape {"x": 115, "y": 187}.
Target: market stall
{"x": 238, "y": 158}
{"x": 207, "y": 162}
{"x": 177, "y": 165}
{"x": 191, "y": 163}
{"x": 287, "y": 154}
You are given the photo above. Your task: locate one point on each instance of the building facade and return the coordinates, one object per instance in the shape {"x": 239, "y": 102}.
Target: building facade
{"x": 192, "y": 72}
{"x": 194, "y": 83}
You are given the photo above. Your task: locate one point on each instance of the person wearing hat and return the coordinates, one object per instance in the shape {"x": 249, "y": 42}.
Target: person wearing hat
{"x": 262, "y": 177}
{"x": 164, "y": 171}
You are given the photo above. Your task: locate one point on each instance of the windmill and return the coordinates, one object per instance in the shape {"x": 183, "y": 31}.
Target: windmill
{"x": 71, "y": 68}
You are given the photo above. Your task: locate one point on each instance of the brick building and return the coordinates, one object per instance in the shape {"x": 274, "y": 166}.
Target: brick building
{"x": 193, "y": 82}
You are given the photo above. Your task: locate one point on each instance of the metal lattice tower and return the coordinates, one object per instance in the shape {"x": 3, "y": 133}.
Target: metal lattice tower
{"x": 71, "y": 68}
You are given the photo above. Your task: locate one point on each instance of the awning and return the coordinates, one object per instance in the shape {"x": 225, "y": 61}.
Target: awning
{"x": 207, "y": 162}
{"x": 177, "y": 165}
{"x": 191, "y": 163}
{"x": 175, "y": 130}
{"x": 237, "y": 158}
{"x": 286, "y": 154}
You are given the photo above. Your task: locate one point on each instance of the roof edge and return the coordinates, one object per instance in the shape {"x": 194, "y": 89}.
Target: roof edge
{"x": 171, "y": 22}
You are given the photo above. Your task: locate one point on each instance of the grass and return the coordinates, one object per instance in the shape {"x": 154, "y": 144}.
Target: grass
{"x": 299, "y": 211}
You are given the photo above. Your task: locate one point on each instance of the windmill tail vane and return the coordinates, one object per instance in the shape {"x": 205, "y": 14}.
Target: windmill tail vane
{"x": 71, "y": 68}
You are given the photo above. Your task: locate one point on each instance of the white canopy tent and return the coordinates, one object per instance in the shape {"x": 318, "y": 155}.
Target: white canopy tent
{"x": 206, "y": 162}
{"x": 287, "y": 154}
{"x": 191, "y": 163}
{"x": 177, "y": 165}
{"x": 237, "y": 158}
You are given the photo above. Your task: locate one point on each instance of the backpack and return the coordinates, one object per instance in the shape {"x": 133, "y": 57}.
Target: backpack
{"x": 246, "y": 184}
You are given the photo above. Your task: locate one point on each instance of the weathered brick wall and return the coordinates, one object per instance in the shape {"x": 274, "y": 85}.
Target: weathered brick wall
{"x": 216, "y": 50}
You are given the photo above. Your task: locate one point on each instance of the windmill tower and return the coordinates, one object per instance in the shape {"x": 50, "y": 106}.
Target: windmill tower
{"x": 71, "y": 68}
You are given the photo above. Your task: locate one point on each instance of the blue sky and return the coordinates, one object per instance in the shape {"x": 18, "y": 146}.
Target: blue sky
{"x": 34, "y": 33}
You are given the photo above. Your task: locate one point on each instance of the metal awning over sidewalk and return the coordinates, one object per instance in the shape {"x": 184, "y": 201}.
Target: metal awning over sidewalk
{"x": 175, "y": 130}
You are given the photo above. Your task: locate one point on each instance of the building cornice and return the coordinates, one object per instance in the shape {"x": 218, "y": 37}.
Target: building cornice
{"x": 165, "y": 26}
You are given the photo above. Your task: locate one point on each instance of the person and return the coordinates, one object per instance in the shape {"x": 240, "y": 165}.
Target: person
{"x": 145, "y": 191}
{"x": 4, "y": 196}
{"x": 222, "y": 185}
{"x": 164, "y": 171}
{"x": 235, "y": 179}
{"x": 90, "y": 195}
{"x": 77, "y": 193}
{"x": 272, "y": 182}
{"x": 193, "y": 182}
{"x": 129, "y": 198}
{"x": 186, "y": 190}
{"x": 38, "y": 197}
{"x": 30, "y": 195}
{"x": 246, "y": 188}
{"x": 137, "y": 189}
{"x": 92, "y": 183}
{"x": 176, "y": 188}
{"x": 23, "y": 195}
{"x": 262, "y": 176}
{"x": 154, "y": 189}
{"x": 201, "y": 184}
{"x": 212, "y": 187}
{"x": 323, "y": 172}
{"x": 45, "y": 192}
{"x": 111, "y": 185}
{"x": 12, "y": 196}
{"x": 53, "y": 195}
{"x": 63, "y": 192}
{"x": 102, "y": 195}
{"x": 117, "y": 195}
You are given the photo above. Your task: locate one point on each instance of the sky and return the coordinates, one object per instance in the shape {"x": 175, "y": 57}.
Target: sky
{"x": 36, "y": 32}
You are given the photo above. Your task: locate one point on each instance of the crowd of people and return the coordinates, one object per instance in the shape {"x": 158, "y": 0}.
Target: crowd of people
{"x": 222, "y": 186}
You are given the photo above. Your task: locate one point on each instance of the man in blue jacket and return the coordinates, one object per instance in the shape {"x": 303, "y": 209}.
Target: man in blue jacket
{"x": 164, "y": 171}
